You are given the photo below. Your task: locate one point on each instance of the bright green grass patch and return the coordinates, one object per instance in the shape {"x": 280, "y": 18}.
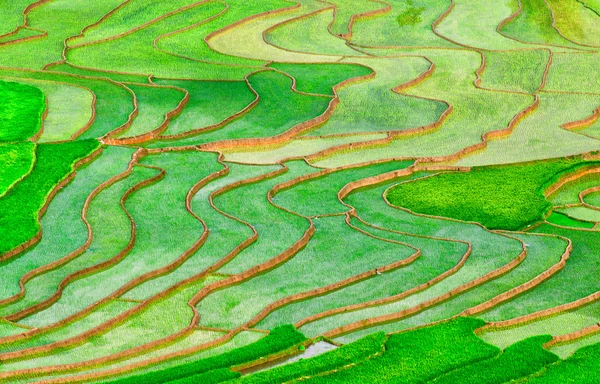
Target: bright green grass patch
{"x": 20, "y": 207}
{"x": 320, "y": 78}
{"x": 17, "y": 160}
{"x": 351, "y": 353}
{"x": 581, "y": 368}
{"x": 280, "y": 338}
{"x": 566, "y": 221}
{"x": 21, "y": 109}
{"x": 593, "y": 5}
{"x": 499, "y": 197}
{"x": 518, "y": 360}
{"x": 419, "y": 355}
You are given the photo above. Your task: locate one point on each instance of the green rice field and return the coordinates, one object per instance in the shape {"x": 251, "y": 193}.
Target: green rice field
{"x": 299, "y": 191}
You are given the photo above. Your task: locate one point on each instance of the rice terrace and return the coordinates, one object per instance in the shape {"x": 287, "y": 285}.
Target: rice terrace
{"x": 306, "y": 191}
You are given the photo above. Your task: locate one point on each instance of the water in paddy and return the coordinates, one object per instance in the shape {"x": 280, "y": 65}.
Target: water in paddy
{"x": 312, "y": 350}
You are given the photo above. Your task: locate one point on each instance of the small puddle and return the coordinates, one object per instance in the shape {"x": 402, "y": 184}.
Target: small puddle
{"x": 312, "y": 350}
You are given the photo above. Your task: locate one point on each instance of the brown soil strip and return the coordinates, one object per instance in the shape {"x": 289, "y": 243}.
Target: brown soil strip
{"x": 539, "y": 315}
{"x": 577, "y": 126}
{"x": 212, "y": 329}
{"x": 583, "y": 123}
{"x": 571, "y": 337}
{"x": 40, "y": 131}
{"x": 569, "y": 177}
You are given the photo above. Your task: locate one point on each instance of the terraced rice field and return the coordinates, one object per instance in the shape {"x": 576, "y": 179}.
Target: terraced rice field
{"x": 340, "y": 191}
